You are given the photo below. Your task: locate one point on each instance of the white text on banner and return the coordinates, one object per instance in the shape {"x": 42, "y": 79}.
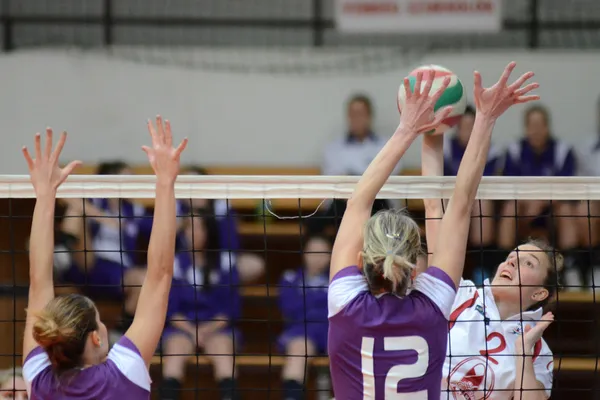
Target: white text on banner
{"x": 418, "y": 16}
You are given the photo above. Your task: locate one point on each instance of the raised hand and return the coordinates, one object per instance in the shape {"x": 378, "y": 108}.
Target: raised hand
{"x": 163, "y": 157}
{"x": 417, "y": 114}
{"x": 531, "y": 334}
{"x": 44, "y": 171}
{"x": 494, "y": 101}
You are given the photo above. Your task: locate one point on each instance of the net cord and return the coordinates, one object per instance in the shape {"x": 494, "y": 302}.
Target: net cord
{"x": 307, "y": 187}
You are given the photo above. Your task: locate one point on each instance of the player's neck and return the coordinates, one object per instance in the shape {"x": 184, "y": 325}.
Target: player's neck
{"x": 507, "y": 309}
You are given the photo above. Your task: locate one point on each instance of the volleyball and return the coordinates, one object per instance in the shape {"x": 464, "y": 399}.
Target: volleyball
{"x": 454, "y": 95}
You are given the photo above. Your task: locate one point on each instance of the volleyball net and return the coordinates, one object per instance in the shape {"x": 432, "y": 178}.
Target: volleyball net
{"x": 258, "y": 284}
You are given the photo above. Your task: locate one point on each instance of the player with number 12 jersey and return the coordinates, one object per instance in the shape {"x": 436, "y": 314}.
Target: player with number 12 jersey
{"x": 387, "y": 330}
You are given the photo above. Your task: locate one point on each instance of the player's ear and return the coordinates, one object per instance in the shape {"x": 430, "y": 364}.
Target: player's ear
{"x": 96, "y": 341}
{"x": 359, "y": 260}
{"x": 540, "y": 295}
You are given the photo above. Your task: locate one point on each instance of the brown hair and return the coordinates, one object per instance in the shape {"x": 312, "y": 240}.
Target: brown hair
{"x": 62, "y": 328}
{"x": 537, "y": 109}
{"x": 364, "y": 100}
{"x": 555, "y": 266}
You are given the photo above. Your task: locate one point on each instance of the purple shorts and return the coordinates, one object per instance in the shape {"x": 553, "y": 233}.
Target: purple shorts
{"x": 314, "y": 332}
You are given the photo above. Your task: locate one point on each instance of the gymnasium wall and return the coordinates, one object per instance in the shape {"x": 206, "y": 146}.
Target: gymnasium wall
{"x": 245, "y": 118}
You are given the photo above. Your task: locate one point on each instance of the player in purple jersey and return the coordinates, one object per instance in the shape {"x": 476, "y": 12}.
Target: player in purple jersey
{"x": 65, "y": 346}
{"x": 384, "y": 342}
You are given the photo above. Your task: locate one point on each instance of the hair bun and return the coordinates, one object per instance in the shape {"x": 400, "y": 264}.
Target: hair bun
{"x": 46, "y": 331}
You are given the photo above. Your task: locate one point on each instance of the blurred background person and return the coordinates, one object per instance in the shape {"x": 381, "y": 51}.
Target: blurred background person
{"x": 250, "y": 267}
{"x": 203, "y": 307}
{"x": 104, "y": 236}
{"x": 303, "y": 304}
{"x": 482, "y": 234}
{"x": 350, "y": 155}
{"x": 539, "y": 153}
{"x": 12, "y": 385}
{"x": 588, "y": 223}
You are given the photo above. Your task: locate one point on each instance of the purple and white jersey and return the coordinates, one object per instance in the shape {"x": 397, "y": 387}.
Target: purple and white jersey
{"x": 123, "y": 375}
{"x": 387, "y": 347}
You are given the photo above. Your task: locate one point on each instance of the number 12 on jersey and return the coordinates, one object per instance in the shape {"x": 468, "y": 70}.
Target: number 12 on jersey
{"x": 396, "y": 373}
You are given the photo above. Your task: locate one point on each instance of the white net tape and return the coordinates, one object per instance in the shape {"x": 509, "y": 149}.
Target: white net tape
{"x": 307, "y": 187}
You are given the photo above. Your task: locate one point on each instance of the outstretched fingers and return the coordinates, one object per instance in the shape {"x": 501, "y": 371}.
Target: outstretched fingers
{"x": 506, "y": 74}
{"x": 526, "y": 99}
{"x": 181, "y": 147}
{"x": 438, "y": 118}
{"x": 160, "y": 129}
{"x": 38, "y": 146}
{"x": 59, "y": 146}
{"x": 168, "y": 133}
{"x": 48, "y": 149}
{"x": 66, "y": 171}
{"x": 28, "y": 158}
{"x": 519, "y": 82}
{"x": 408, "y": 93}
{"x": 526, "y": 89}
{"x": 152, "y": 132}
{"x": 436, "y": 96}
{"x": 417, "y": 90}
{"x": 429, "y": 82}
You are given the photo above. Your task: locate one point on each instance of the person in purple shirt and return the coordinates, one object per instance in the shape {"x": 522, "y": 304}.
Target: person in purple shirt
{"x": 482, "y": 234}
{"x": 249, "y": 266}
{"x": 65, "y": 344}
{"x": 303, "y": 304}
{"x": 540, "y": 154}
{"x": 203, "y": 308}
{"x": 388, "y": 334}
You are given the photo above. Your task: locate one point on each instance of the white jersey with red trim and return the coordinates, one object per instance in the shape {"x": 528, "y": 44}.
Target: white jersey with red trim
{"x": 480, "y": 358}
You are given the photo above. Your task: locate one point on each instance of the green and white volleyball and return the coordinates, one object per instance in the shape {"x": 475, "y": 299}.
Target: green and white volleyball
{"x": 454, "y": 95}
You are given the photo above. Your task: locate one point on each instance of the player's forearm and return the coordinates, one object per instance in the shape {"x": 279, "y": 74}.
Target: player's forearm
{"x": 527, "y": 387}
{"x": 41, "y": 250}
{"x": 381, "y": 168}
{"x": 161, "y": 250}
{"x": 432, "y": 164}
{"x": 472, "y": 164}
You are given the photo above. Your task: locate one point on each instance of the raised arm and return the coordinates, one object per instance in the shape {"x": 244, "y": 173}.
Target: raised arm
{"x": 432, "y": 164}
{"x": 46, "y": 177}
{"x": 417, "y": 117}
{"x": 150, "y": 315}
{"x": 491, "y": 103}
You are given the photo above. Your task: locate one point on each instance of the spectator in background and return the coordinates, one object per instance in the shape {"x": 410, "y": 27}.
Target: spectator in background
{"x": 482, "y": 232}
{"x": 250, "y": 266}
{"x": 303, "y": 304}
{"x": 350, "y": 155}
{"x": 103, "y": 236}
{"x": 540, "y": 154}
{"x": 203, "y": 307}
{"x": 588, "y": 225}
{"x": 12, "y": 384}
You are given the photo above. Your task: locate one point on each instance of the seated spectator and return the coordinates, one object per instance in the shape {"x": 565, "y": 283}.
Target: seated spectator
{"x": 103, "y": 237}
{"x": 12, "y": 384}
{"x": 250, "y": 266}
{"x": 303, "y": 304}
{"x": 350, "y": 155}
{"x": 588, "y": 225}
{"x": 482, "y": 231}
{"x": 539, "y": 154}
{"x": 203, "y": 306}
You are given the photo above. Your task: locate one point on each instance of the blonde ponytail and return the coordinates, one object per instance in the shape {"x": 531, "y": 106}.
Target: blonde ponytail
{"x": 392, "y": 243}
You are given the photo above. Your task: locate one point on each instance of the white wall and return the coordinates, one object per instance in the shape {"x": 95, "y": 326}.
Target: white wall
{"x": 244, "y": 119}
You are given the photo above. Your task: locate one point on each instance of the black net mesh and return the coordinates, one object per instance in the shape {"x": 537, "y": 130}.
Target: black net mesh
{"x": 252, "y": 302}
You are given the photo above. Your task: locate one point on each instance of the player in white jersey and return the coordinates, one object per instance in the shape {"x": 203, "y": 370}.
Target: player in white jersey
{"x": 486, "y": 341}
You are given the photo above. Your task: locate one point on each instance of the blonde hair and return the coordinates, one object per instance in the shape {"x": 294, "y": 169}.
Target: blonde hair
{"x": 392, "y": 244}
{"x": 9, "y": 375}
{"x": 62, "y": 328}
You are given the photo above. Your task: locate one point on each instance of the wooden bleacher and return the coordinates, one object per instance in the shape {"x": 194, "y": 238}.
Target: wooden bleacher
{"x": 574, "y": 337}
